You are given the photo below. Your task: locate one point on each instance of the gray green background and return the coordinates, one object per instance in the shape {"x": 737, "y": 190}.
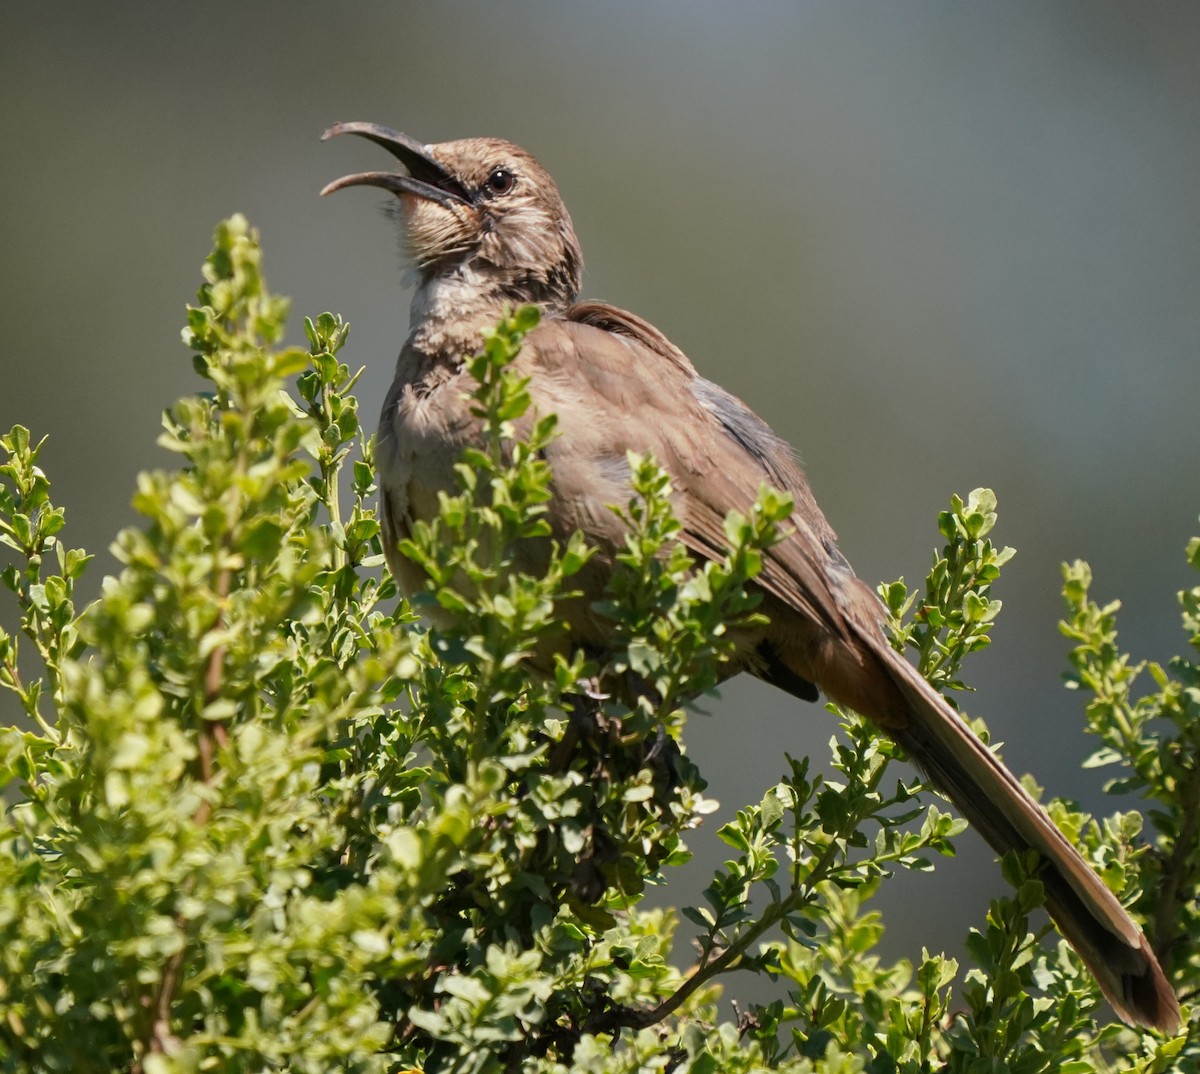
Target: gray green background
{"x": 935, "y": 245}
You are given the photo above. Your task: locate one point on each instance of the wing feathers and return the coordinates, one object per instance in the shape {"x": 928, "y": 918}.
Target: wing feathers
{"x": 639, "y": 391}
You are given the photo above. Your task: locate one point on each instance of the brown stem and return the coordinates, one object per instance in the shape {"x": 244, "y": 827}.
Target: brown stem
{"x": 212, "y": 736}
{"x": 1173, "y": 872}
{"x": 160, "y": 1026}
{"x": 775, "y": 913}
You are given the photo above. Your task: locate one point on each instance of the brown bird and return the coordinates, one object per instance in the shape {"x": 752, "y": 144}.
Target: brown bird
{"x": 487, "y": 229}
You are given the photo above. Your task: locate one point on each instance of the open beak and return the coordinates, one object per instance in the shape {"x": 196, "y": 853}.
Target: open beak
{"x": 426, "y": 177}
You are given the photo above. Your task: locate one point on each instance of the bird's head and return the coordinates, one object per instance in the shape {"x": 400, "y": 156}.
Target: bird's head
{"x": 481, "y": 206}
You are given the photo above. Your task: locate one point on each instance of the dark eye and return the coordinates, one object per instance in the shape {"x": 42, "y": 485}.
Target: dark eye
{"x": 501, "y": 181}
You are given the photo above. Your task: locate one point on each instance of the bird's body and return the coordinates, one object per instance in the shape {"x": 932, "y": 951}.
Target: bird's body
{"x": 487, "y": 229}
{"x": 579, "y": 368}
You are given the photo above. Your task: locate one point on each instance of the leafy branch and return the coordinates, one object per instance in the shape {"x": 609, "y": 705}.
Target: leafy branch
{"x": 1154, "y": 739}
{"x": 264, "y": 819}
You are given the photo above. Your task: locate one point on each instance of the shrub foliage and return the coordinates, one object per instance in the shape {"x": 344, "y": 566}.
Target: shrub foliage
{"x": 262, "y": 818}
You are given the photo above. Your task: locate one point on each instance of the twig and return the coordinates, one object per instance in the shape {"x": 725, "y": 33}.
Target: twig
{"x": 212, "y": 736}
{"x": 1167, "y": 903}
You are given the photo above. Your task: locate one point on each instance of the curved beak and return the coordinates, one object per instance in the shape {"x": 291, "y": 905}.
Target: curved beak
{"x": 426, "y": 177}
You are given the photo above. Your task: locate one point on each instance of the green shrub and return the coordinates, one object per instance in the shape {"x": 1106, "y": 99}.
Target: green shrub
{"x": 265, "y": 819}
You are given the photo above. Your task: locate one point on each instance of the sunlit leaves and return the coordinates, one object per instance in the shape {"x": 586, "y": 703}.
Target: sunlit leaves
{"x": 265, "y": 817}
{"x": 956, "y": 612}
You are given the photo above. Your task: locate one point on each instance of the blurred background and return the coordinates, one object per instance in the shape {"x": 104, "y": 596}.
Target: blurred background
{"x": 936, "y": 246}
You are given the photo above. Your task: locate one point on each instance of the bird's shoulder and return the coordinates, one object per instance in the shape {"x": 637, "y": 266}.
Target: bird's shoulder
{"x": 622, "y": 343}
{"x": 614, "y": 349}
{"x": 626, "y": 326}
{"x": 718, "y": 451}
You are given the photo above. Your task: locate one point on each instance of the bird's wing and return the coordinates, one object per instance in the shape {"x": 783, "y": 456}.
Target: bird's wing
{"x": 624, "y": 385}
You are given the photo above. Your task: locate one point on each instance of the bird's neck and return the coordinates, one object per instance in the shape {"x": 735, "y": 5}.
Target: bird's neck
{"x": 451, "y": 310}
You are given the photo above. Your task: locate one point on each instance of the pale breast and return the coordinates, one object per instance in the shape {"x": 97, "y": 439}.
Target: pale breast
{"x": 422, "y": 432}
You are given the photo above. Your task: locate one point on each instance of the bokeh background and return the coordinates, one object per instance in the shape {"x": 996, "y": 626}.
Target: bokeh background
{"x": 936, "y": 246}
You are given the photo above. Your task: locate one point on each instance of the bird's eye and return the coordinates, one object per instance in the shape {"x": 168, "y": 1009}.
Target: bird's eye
{"x": 501, "y": 181}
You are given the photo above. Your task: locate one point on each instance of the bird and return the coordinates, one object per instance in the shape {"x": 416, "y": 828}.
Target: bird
{"x": 487, "y": 230}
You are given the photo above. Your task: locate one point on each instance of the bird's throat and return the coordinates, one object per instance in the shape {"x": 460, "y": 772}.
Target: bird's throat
{"x": 451, "y": 311}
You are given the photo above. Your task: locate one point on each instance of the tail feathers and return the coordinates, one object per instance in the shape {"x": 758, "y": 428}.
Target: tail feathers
{"x": 1090, "y": 917}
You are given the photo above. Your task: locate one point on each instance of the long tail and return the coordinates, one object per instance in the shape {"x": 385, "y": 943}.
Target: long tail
{"x": 1111, "y": 945}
